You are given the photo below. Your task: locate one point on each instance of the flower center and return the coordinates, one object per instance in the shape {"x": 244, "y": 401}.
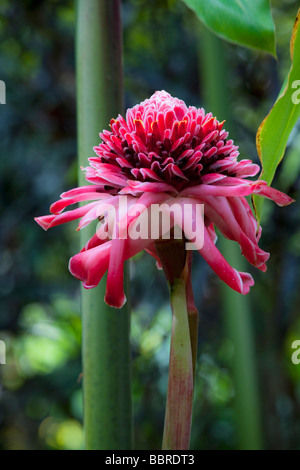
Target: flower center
{"x": 163, "y": 140}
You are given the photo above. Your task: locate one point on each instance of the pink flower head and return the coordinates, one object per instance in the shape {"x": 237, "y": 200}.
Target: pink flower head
{"x": 163, "y": 152}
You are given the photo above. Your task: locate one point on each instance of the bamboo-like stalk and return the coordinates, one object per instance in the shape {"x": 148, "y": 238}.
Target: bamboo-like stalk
{"x": 236, "y": 308}
{"x": 106, "y": 346}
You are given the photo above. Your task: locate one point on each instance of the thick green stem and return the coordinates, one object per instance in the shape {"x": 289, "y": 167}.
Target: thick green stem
{"x": 193, "y": 314}
{"x": 106, "y": 346}
{"x": 178, "y": 415}
{"x": 176, "y": 263}
{"x": 236, "y": 307}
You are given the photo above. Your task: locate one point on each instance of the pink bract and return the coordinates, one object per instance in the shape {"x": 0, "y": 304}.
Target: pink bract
{"x": 165, "y": 151}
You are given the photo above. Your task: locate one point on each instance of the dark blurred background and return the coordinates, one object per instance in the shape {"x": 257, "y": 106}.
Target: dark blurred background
{"x": 40, "y": 394}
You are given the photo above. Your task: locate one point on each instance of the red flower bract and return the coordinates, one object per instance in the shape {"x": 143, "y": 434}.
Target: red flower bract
{"x": 163, "y": 152}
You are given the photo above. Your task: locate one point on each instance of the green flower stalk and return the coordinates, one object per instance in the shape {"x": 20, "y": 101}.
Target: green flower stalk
{"x": 176, "y": 263}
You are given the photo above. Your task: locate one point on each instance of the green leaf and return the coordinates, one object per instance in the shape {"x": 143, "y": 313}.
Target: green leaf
{"x": 274, "y": 131}
{"x": 245, "y": 22}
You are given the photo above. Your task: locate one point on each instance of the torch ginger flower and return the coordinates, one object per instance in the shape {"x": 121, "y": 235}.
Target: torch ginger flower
{"x": 163, "y": 152}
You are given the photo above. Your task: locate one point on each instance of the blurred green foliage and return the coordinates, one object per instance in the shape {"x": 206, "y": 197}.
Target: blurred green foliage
{"x": 40, "y": 395}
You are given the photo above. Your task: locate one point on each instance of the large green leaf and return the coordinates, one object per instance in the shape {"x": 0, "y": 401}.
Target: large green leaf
{"x": 274, "y": 131}
{"x": 245, "y": 22}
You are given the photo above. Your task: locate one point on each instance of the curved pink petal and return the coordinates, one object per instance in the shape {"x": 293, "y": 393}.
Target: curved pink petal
{"x": 242, "y": 189}
{"x": 58, "y": 206}
{"x": 49, "y": 221}
{"x": 135, "y": 187}
{"x": 280, "y": 198}
{"x": 106, "y": 178}
{"x": 219, "y": 212}
{"x": 244, "y": 217}
{"x": 90, "y": 266}
{"x": 114, "y": 295}
{"x": 211, "y": 178}
{"x": 240, "y": 282}
{"x": 246, "y": 168}
{"x": 81, "y": 189}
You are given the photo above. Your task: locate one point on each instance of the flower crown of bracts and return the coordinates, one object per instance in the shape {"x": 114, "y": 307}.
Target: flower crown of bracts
{"x": 164, "y": 152}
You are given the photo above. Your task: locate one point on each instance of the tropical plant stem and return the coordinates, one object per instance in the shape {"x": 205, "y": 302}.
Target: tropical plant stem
{"x": 106, "y": 345}
{"x": 178, "y": 417}
{"x": 193, "y": 315}
{"x": 177, "y": 265}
